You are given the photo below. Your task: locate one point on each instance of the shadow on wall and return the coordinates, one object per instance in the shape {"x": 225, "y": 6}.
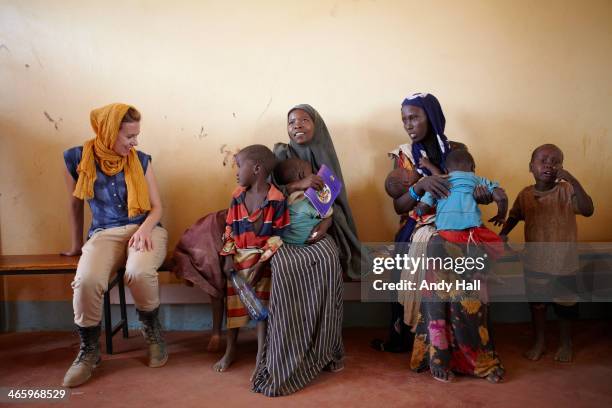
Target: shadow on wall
{"x": 375, "y": 212}
{"x": 191, "y": 193}
{"x": 383, "y": 221}
{"x": 34, "y": 197}
{"x": 36, "y": 192}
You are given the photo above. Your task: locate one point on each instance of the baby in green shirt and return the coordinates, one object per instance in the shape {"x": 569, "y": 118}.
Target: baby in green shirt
{"x": 304, "y": 217}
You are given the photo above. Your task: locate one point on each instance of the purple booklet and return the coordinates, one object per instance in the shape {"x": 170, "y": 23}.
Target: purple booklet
{"x": 322, "y": 200}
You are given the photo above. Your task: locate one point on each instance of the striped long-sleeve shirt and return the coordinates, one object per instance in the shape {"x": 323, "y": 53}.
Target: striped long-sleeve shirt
{"x": 248, "y": 246}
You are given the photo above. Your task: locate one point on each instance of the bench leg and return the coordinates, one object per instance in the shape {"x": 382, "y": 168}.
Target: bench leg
{"x": 109, "y": 329}
{"x": 108, "y": 323}
{"x": 123, "y": 308}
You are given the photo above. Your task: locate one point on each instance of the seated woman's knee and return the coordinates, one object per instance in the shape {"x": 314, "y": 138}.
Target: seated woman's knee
{"x": 140, "y": 273}
{"x": 89, "y": 283}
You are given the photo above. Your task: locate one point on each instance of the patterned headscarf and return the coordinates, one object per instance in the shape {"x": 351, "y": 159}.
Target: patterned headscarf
{"x": 436, "y": 122}
{"x": 320, "y": 150}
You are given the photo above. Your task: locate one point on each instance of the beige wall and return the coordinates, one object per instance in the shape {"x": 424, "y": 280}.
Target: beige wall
{"x": 211, "y": 77}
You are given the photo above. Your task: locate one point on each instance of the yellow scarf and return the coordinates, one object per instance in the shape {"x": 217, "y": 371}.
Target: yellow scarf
{"x": 106, "y": 122}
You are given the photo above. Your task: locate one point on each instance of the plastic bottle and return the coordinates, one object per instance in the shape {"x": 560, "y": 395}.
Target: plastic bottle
{"x": 253, "y": 305}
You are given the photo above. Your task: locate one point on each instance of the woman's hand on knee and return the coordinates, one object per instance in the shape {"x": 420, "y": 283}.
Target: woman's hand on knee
{"x": 142, "y": 240}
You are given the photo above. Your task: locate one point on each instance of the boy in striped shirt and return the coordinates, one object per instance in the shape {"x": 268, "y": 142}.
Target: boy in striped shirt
{"x": 255, "y": 222}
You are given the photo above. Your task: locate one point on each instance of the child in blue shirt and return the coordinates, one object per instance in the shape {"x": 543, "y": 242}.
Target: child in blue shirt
{"x": 458, "y": 218}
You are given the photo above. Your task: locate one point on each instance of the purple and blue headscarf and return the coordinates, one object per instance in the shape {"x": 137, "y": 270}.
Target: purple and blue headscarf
{"x": 436, "y": 120}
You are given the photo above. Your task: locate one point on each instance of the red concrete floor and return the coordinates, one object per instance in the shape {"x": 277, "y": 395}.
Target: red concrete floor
{"x": 370, "y": 379}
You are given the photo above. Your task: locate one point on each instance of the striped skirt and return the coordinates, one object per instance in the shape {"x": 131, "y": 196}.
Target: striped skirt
{"x": 305, "y": 322}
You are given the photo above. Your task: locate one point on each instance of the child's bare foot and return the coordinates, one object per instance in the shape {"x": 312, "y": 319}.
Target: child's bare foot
{"x": 225, "y": 362}
{"x": 564, "y": 354}
{"x": 441, "y": 374}
{"x": 213, "y": 343}
{"x": 535, "y": 352}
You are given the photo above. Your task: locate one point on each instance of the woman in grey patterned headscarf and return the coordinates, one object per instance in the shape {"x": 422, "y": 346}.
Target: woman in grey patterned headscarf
{"x": 306, "y": 299}
{"x": 310, "y": 141}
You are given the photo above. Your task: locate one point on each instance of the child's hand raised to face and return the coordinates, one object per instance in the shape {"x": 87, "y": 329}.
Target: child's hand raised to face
{"x": 563, "y": 174}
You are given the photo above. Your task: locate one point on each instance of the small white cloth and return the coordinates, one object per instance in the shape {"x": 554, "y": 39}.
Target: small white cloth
{"x": 411, "y": 299}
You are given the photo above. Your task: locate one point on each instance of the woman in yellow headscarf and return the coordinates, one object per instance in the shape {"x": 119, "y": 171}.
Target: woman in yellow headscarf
{"x": 119, "y": 184}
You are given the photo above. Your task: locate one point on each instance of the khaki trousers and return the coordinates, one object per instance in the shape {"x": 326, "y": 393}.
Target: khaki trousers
{"x": 103, "y": 254}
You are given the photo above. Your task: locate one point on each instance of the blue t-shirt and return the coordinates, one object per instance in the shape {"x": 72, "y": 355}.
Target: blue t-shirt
{"x": 109, "y": 203}
{"x": 459, "y": 210}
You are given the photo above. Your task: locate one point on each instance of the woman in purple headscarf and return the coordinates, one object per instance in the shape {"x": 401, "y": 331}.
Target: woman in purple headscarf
{"x": 451, "y": 333}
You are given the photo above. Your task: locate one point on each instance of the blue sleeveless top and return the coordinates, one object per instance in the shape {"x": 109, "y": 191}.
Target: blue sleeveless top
{"x": 109, "y": 203}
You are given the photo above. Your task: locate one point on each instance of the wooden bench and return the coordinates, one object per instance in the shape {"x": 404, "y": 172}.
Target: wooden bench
{"x": 22, "y": 265}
